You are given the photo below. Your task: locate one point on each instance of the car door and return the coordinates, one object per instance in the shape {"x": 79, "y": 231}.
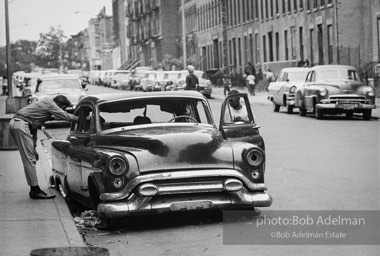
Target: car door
{"x": 80, "y": 140}
{"x": 308, "y": 93}
{"x": 238, "y": 130}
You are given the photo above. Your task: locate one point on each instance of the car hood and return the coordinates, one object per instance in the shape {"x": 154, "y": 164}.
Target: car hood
{"x": 172, "y": 147}
{"x": 341, "y": 86}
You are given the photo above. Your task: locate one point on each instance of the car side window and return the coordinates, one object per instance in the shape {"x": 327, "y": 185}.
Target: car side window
{"x": 86, "y": 120}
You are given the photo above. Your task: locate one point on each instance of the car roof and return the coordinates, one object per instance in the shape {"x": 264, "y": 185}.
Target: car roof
{"x": 99, "y": 98}
{"x": 295, "y": 69}
{"x": 332, "y": 66}
{"x": 57, "y": 76}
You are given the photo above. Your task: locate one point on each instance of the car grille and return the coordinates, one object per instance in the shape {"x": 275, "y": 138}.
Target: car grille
{"x": 348, "y": 99}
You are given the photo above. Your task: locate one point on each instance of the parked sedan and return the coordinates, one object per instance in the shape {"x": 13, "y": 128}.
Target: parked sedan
{"x": 335, "y": 89}
{"x": 56, "y": 84}
{"x": 281, "y": 92}
{"x": 138, "y": 153}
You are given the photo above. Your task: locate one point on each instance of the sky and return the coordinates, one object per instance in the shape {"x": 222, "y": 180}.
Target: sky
{"x": 29, "y": 18}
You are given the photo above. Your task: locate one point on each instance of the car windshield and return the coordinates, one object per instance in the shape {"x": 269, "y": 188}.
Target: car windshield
{"x": 121, "y": 75}
{"x": 337, "y": 74}
{"x": 154, "y": 111}
{"x": 58, "y": 84}
{"x": 297, "y": 75}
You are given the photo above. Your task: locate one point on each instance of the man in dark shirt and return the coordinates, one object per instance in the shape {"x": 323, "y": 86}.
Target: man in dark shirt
{"x": 192, "y": 81}
{"x": 23, "y": 129}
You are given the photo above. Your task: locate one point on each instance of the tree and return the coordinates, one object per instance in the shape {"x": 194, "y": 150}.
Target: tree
{"x": 50, "y": 48}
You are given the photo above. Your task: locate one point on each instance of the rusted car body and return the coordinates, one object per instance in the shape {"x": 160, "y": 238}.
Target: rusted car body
{"x": 282, "y": 91}
{"x": 141, "y": 153}
{"x": 335, "y": 89}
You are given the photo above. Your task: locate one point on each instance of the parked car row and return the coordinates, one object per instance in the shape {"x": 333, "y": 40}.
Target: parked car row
{"x": 322, "y": 90}
{"x": 147, "y": 79}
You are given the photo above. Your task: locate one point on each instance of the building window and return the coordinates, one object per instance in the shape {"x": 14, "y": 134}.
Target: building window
{"x": 295, "y": 5}
{"x": 286, "y": 45}
{"x": 277, "y": 10}
{"x": 264, "y": 49}
{"x": 308, "y": 4}
{"x": 266, "y": 9}
{"x": 262, "y": 9}
{"x": 283, "y": 6}
{"x": 271, "y": 8}
{"x": 315, "y": 4}
{"x": 301, "y": 4}
{"x": 256, "y": 9}
{"x": 301, "y": 43}
{"x": 330, "y": 42}
{"x": 235, "y": 12}
{"x": 250, "y": 46}
{"x": 244, "y": 10}
{"x": 270, "y": 45}
{"x": 329, "y": 1}
{"x": 311, "y": 46}
{"x": 292, "y": 41}
{"x": 277, "y": 46}
{"x": 322, "y": 2}
{"x": 257, "y": 53}
{"x": 230, "y": 51}
{"x": 289, "y": 5}
{"x": 238, "y": 12}
{"x": 320, "y": 44}
{"x": 234, "y": 51}
{"x": 239, "y": 53}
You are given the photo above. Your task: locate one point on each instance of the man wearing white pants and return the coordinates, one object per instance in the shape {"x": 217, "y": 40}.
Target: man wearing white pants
{"x": 23, "y": 129}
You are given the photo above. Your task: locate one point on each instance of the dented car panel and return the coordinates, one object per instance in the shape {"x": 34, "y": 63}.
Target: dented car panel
{"x": 177, "y": 160}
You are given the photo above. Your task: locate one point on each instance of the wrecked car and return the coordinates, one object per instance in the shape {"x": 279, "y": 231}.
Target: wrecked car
{"x": 138, "y": 153}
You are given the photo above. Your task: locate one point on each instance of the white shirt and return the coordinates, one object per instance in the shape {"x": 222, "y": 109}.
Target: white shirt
{"x": 251, "y": 79}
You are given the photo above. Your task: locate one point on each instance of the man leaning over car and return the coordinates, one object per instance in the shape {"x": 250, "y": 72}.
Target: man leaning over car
{"x": 23, "y": 129}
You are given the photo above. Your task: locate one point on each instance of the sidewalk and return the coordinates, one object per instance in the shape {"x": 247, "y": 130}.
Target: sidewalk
{"x": 27, "y": 224}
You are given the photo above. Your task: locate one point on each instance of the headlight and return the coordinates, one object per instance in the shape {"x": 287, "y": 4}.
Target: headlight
{"x": 118, "y": 165}
{"x": 34, "y": 99}
{"x": 293, "y": 89}
{"x": 255, "y": 157}
{"x": 371, "y": 93}
{"x": 27, "y": 92}
{"x": 323, "y": 92}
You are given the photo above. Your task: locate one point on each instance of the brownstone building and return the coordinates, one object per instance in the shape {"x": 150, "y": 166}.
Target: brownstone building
{"x": 284, "y": 32}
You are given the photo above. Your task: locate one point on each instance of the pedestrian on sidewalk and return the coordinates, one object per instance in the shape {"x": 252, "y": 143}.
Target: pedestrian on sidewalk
{"x": 226, "y": 84}
{"x": 23, "y": 129}
{"x": 251, "y": 83}
{"x": 4, "y": 85}
{"x": 192, "y": 81}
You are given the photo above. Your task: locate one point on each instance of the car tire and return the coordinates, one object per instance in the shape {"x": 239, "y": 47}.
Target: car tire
{"x": 302, "y": 111}
{"x": 289, "y": 109}
{"x": 276, "y": 107}
{"x": 318, "y": 113}
{"x": 367, "y": 114}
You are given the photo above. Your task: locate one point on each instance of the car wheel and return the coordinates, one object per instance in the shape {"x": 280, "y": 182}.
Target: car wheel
{"x": 302, "y": 111}
{"x": 276, "y": 107}
{"x": 290, "y": 109}
{"x": 318, "y": 113}
{"x": 367, "y": 114}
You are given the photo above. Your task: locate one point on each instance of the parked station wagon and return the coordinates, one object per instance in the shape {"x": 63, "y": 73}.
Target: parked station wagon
{"x": 281, "y": 92}
{"x": 141, "y": 153}
{"x": 335, "y": 89}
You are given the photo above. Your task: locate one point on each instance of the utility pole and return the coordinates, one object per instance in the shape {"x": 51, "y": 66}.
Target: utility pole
{"x": 10, "y": 105}
{"x": 8, "y": 47}
{"x": 184, "y": 36}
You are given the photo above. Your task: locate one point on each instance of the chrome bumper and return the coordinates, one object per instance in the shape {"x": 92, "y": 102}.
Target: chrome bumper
{"x": 136, "y": 204}
{"x": 354, "y": 107}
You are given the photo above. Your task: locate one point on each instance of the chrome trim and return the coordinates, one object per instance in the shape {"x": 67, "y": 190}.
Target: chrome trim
{"x": 187, "y": 174}
{"x": 148, "y": 205}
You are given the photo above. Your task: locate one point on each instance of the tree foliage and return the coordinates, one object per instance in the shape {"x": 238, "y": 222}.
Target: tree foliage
{"x": 50, "y": 47}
